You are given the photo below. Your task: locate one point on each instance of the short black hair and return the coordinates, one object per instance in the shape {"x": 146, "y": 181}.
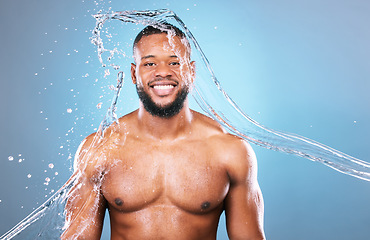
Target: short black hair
{"x": 163, "y": 27}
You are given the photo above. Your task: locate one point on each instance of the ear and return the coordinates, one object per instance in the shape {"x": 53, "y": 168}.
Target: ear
{"x": 133, "y": 73}
{"x": 192, "y": 71}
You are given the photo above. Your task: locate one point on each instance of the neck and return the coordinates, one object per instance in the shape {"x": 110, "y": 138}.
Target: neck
{"x": 165, "y": 128}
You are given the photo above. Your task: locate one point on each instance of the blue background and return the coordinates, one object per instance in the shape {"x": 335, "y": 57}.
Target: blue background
{"x": 296, "y": 66}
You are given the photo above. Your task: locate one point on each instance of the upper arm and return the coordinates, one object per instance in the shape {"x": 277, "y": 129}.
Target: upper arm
{"x": 85, "y": 207}
{"x": 244, "y": 202}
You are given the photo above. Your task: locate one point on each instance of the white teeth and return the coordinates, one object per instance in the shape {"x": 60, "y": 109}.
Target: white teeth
{"x": 163, "y": 86}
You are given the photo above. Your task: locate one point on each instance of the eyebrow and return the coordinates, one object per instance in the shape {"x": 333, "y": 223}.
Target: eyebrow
{"x": 147, "y": 56}
{"x": 152, "y": 56}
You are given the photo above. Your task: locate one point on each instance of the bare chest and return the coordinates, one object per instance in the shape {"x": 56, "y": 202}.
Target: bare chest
{"x": 189, "y": 177}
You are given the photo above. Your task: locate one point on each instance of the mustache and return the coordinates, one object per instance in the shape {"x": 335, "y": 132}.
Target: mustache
{"x": 160, "y": 79}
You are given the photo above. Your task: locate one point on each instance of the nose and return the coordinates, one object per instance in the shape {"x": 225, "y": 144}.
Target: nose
{"x": 163, "y": 70}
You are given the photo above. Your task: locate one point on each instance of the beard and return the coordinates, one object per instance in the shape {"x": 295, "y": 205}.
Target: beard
{"x": 163, "y": 111}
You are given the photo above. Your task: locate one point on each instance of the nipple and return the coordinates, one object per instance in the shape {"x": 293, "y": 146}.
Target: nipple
{"x": 118, "y": 201}
{"x": 205, "y": 205}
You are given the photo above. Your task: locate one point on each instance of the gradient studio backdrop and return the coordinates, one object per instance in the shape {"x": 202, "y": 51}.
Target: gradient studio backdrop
{"x": 296, "y": 66}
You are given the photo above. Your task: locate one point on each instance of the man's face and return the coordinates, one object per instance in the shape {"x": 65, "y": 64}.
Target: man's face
{"x": 163, "y": 74}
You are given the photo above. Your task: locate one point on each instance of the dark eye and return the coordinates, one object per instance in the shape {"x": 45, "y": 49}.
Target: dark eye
{"x": 149, "y": 64}
{"x": 174, "y": 63}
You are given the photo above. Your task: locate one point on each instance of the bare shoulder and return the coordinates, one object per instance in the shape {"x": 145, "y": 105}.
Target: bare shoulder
{"x": 97, "y": 147}
{"x": 82, "y": 151}
{"x": 214, "y": 132}
{"x": 237, "y": 156}
{"x": 234, "y": 153}
{"x": 95, "y": 151}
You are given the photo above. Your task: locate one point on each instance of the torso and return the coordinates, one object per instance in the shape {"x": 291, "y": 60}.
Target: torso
{"x": 167, "y": 189}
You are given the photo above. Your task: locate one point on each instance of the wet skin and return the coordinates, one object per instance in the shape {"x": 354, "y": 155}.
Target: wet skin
{"x": 165, "y": 178}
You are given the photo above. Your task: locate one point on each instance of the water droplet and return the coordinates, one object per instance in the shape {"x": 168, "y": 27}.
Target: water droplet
{"x": 98, "y": 106}
{"x": 29, "y": 175}
{"x": 51, "y": 165}
{"x": 47, "y": 180}
{"x": 56, "y": 173}
{"x": 10, "y": 158}
{"x": 106, "y": 72}
{"x": 69, "y": 110}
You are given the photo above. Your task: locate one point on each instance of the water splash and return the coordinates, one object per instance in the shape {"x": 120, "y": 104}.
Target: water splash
{"x": 51, "y": 227}
{"x": 111, "y": 116}
{"x": 39, "y": 226}
{"x": 210, "y": 96}
{"x": 213, "y": 100}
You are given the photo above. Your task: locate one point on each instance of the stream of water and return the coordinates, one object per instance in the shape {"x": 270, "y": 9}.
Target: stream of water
{"x": 47, "y": 221}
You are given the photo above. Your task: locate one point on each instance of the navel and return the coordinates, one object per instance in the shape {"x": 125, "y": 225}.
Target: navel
{"x": 205, "y": 205}
{"x": 118, "y": 201}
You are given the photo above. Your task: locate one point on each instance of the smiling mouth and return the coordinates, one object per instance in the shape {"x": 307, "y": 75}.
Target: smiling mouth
{"x": 163, "y": 84}
{"x": 163, "y": 87}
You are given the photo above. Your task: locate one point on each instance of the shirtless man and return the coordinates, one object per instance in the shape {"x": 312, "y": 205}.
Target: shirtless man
{"x": 165, "y": 171}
